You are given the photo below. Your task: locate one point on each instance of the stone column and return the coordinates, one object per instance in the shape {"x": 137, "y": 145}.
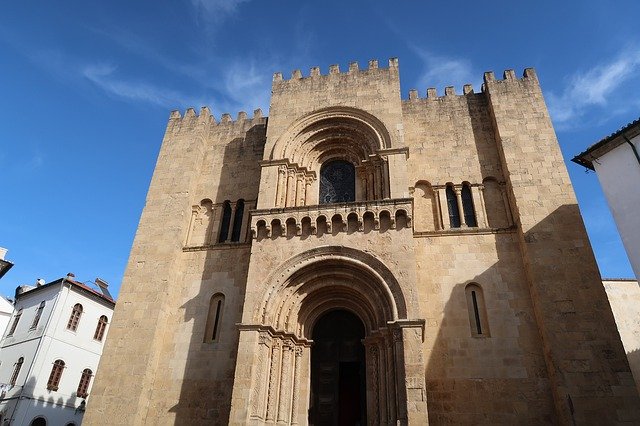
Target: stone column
{"x": 307, "y": 191}
{"x": 382, "y": 379}
{"x": 299, "y": 189}
{"x": 284, "y": 403}
{"x": 373, "y": 401}
{"x": 274, "y": 382}
{"x": 297, "y": 377}
{"x": 442, "y": 201}
{"x": 379, "y": 194}
{"x": 481, "y": 209}
{"x": 262, "y": 368}
{"x": 291, "y": 189}
{"x": 392, "y": 397}
{"x": 281, "y": 188}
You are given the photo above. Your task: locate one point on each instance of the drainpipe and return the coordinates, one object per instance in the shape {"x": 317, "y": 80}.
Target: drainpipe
{"x": 633, "y": 148}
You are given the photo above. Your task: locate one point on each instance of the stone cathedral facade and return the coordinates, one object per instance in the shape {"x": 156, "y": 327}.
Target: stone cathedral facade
{"x": 359, "y": 258}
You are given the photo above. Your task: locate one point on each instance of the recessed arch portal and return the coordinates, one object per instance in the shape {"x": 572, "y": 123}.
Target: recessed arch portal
{"x": 277, "y": 338}
{"x": 322, "y": 138}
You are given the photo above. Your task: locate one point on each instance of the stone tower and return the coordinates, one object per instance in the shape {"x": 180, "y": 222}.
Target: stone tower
{"x": 358, "y": 257}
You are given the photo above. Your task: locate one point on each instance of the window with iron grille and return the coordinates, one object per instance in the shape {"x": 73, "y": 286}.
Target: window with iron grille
{"x": 100, "y": 328}
{"x": 74, "y": 319}
{"x": 56, "y": 374}
{"x": 83, "y": 386}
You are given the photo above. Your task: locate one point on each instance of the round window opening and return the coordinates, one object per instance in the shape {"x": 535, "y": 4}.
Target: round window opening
{"x": 337, "y": 182}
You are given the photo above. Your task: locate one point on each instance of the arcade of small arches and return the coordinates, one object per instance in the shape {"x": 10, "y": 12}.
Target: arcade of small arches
{"x": 394, "y": 215}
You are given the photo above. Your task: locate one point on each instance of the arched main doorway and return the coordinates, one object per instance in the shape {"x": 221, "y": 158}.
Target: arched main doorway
{"x": 323, "y": 316}
{"x": 338, "y": 385}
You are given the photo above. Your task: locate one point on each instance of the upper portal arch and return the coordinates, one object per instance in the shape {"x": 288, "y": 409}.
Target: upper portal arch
{"x": 343, "y": 132}
{"x": 326, "y": 278}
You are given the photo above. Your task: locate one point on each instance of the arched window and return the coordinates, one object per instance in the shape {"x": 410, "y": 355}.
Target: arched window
{"x": 237, "y": 221}
{"x": 16, "y": 371}
{"x": 452, "y": 206}
{"x": 337, "y": 182}
{"x": 477, "y": 311}
{"x": 214, "y": 318}
{"x": 100, "y": 328}
{"x": 83, "y": 386}
{"x": 36, "y": 319}
{"x": 226, "y": 222}
{"x": 56, "y": 374}
{"x": 74, "y": 319}
{"x": 16, "y": 319}
{"x": 467, "y": 206}
{"x": 38, "y": 421}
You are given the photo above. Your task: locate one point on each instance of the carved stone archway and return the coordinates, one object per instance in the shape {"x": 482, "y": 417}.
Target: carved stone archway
{"x": 272, "y": 380}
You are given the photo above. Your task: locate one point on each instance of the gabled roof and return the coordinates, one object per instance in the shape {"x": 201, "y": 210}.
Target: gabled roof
{"x": 608, "y": 143}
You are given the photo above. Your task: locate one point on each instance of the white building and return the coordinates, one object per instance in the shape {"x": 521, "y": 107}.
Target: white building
{"x": 624, "y": 298}
{"x": 616, "y": 160}
{"x": 6, "y": 307}
{"x": 6, "y": 310}
{"x": 50, "y": 352}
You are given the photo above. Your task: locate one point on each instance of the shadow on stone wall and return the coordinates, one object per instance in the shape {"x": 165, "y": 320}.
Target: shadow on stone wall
{"x": 499, "y": 378}
{"x": 504, "y": 379}
{"x": 207, "y": 384}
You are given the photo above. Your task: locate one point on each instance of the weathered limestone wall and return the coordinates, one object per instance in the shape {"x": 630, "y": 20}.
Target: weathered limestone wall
{"x": 587, "y": 367}
{"x": 451, "y": 139}
{"x": 159, "y": 370}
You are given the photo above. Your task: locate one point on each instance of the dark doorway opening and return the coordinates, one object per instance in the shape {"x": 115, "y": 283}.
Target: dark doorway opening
{"x": 338, "y": 386}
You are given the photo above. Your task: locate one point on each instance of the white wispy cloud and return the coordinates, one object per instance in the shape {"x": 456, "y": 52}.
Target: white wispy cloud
{"x": 216, "y": 10}
{"x": 442, "y": 71}
{"x": 104, "y": 76}
{"x": 594, "y": 88}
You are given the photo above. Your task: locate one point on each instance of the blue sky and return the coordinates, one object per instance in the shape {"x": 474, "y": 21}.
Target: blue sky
{"x": 87, "y": 88}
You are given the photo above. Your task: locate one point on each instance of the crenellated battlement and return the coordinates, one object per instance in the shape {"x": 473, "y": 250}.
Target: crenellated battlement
{"x": 206, "y": 116}
{"x": 529, "y": 74}
{"x": 467, "y": 89}
{"x": 334, "y": 70}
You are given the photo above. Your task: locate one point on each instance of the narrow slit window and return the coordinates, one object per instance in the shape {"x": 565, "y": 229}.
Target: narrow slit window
{"x": 36, "y": 319}
{"x": 468, "y": 207}
{"x": 74, "y": 319}
{"x": 237, "y": 221}
{"x": 452, "y": 206}
{"x": 478, "y": 321}
{"x": 214, "y": 318}
{"x": 226, "y": 222}
{"x": 56, "y": 375}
